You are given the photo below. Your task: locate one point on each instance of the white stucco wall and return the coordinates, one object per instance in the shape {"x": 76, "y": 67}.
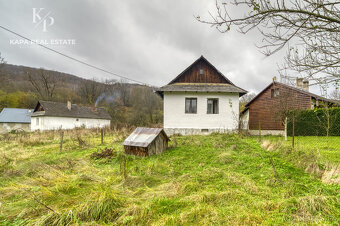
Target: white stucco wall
{"x": 175, "y": 118}
{"x": 54, "y": 123}
{"x": 245, "y": 120}
{"x": 6, "y": 127}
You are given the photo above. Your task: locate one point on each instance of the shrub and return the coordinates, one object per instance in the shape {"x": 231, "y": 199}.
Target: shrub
{"x": 313, "y": 122}
{"x": 106, "y": 153}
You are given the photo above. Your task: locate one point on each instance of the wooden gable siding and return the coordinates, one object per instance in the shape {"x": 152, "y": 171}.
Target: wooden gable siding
{"x": 192, "y": 74}
{"x": 264, "y": 110}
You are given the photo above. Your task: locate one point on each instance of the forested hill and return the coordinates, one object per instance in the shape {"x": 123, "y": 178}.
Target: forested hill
{"x": 16, "y": 78}
{"x": 22, "y": 87}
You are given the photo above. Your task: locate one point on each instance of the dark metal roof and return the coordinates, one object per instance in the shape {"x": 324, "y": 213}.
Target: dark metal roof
{"x": 317, "y": 97}
{"x": 202, "y": 87}
{"x": 15, "y": 115}
{"x": 142, "y": 136}
{"x": 60, "y": 110}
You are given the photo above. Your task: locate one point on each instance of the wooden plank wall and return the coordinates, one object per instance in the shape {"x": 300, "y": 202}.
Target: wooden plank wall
{"x": 193, "y": 74}
{"x": 265, "y": 109}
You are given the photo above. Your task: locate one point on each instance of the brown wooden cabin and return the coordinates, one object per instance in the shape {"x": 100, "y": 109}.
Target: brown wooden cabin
{"x": 263, "y": 111}
{"x": 146, "y": 141}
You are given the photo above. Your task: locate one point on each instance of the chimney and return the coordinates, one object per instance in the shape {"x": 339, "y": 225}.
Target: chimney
{"x": 299, "y": 83}
{"x": 69, "y": 105}
{"x": 305, "y": 85}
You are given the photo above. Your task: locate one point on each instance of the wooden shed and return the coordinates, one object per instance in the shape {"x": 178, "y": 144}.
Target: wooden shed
{"x": 146, "y": 141}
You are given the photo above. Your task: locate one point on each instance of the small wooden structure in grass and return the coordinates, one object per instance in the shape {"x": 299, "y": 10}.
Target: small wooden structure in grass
{"x": 146, "y": 141}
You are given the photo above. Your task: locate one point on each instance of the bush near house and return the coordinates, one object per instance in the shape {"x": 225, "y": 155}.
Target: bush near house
{"x": 314, "y": 122}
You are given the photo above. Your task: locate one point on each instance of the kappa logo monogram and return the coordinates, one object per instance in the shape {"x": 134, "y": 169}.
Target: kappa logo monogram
{"x": 42, "y": 19}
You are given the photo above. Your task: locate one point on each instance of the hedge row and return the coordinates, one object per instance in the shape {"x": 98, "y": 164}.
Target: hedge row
{"x": 314, "y": 122}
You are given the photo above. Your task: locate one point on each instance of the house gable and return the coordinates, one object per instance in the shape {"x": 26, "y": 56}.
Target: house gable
{"x": 201, "y": 71}
{"x": 264, "y": 109}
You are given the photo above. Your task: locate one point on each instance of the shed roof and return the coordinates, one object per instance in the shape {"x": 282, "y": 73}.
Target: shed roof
{"x": 142, "y": 136}
{"x": 15, "y": 115}
{"x": 60, "y": 110}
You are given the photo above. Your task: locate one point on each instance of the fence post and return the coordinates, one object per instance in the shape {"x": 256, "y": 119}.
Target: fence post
{"x": 293, "y": 135}
{"x": 61, "y": 140}
{"x": 102, "y": 136}
{"x": 260, "y": 130}
{"x": 286, "y": 121}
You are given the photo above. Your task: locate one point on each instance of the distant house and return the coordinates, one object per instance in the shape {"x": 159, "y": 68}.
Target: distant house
{"x": 146, "y": 141}
{"x": 263, "y": 111}
{"x": 15, "y": 119}
{"x": 49, "y": 115}
{"x": 200, "y": 100}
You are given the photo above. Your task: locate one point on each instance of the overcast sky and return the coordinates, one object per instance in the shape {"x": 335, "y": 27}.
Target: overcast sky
{"x": 147, "y": 40}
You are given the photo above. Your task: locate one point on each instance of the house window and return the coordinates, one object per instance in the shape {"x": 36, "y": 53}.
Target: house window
{"x": 212, "y": 106}
{"x": 37, "y": 121}
{"x": 190, "y": 105}
{"x": 201, "y": 72}
{"x": 275, "y": 92}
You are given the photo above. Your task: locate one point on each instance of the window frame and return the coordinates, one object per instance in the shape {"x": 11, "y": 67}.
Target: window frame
{"x": 275, "y": 92}
{"x": 213, "y": 110}
{"x": 191, "y": 110}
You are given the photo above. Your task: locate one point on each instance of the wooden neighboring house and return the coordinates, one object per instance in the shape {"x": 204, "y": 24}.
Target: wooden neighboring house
{"x": 49, "y": 115}
{"x": 15, "y": 119}
{"x": 146, "y": 141}
{"x": 200, "y": 100}
{"x": 264, "y": 111}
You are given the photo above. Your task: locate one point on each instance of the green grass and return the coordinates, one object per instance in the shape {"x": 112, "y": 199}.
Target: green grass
{"x": 327, "y": 153}
{"x": 217, "y": 179}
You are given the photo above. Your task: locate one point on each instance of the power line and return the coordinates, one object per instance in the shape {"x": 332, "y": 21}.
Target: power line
{"x": 74, "y": 59}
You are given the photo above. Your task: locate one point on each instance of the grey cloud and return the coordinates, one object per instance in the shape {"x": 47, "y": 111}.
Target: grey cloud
{"x": 147, "y": 40}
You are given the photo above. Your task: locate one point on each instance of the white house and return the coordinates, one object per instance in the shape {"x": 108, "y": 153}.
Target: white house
{"x": 15, "y": 119}
{"x": 201, "y": 100}
{"x": 49, "y": 115}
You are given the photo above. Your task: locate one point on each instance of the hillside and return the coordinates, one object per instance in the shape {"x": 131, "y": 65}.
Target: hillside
{"x": 14, "y": 78}
{"x": 217, "y": 179}
{"x": 127, "y": 103}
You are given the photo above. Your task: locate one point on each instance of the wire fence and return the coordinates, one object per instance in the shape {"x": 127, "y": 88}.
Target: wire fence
{"x": 319, "y": 128}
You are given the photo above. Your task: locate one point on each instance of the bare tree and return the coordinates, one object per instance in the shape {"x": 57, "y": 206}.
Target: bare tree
{"x": 286, "y": 102}
{"x": 246, "y": 99}
{"x": 335, "y": 94}
{"x": 90, "y": 90}
{"x": 124, "y": 91}
{"x": 310, "y": 29}
{"x": 43, "y": 82}
{"x": 327, "y": 117}
{"x": 2, "y": 61}
{"x": 145, "y": 104}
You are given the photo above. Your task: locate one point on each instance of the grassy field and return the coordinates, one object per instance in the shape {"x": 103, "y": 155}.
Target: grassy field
{"x": 326, "y": 152}
{"x": 217, "y": 179}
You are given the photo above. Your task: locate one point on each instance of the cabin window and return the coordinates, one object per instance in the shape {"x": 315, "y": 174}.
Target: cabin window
{"x": 275, "y": 92}
{"x": 37, "y": 121}
{"x": 212, "y": 106}
{"x": 201, "y": 72}
{"x": 190, "y": 105}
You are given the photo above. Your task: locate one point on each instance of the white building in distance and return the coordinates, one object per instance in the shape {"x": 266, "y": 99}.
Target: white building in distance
{"x": 49, "y": 115}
